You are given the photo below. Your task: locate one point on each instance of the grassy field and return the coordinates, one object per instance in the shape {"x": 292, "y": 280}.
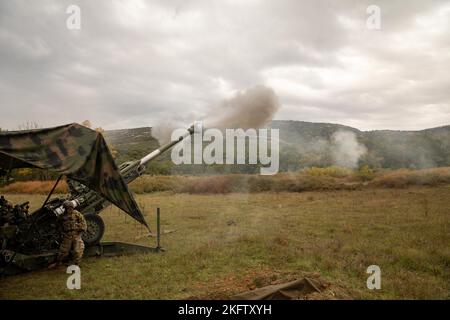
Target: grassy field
{"x": 226, "y": 244}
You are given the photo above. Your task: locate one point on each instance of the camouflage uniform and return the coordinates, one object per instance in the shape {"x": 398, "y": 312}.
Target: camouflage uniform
{"x": 73, "y": 224}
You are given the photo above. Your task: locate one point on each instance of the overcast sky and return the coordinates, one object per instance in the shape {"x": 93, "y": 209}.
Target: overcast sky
{"x": 135, "y": 63}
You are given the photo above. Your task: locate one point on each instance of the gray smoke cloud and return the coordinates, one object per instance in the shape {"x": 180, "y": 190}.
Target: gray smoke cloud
{"x": 163, "y": 130}
{"x": 346, "y": 150}
{"x": 315, "y": 148}
{"x": 250, "y": 108}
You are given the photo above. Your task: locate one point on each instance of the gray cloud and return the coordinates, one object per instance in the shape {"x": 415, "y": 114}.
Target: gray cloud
{"x": 138, "y": 63}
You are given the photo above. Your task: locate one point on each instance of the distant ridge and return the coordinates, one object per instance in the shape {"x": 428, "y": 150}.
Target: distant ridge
{"x": 299, "y": 141}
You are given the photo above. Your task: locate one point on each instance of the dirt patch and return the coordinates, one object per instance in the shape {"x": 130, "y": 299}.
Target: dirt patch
{"x": 227, "y": 287}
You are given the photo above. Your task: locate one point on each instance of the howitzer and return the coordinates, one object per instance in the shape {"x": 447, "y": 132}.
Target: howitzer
{"x": 38, "y": 233}
{"x": 90, "y": 203}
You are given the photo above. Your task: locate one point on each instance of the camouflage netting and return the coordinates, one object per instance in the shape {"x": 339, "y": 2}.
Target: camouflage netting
{"x": 72, "y": 150}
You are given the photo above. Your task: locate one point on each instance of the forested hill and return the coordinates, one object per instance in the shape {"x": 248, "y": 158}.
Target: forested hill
{"x": 304, "y": 144}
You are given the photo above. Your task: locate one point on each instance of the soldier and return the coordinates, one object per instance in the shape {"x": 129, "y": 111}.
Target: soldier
{"x": 73, "y": 224}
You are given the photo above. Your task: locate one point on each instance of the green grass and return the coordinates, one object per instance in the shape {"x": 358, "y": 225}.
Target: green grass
{"x": 274, "y": 237}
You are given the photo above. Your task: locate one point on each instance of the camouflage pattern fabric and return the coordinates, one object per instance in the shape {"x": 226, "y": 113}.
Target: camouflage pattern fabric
{"x": 73, "y": 222}
{"x": 73, "y": 150}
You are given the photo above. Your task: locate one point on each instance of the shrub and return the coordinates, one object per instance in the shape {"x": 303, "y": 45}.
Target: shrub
{"x": 365, "y": 173}
{"x": 405, "y": 177}
{"x": 260, "y": 183}
{"x": 333, "y": 171}
{"x": 147, "y": 184}
{"x": 313, "y": 179}
{"x": 213, "y": 184}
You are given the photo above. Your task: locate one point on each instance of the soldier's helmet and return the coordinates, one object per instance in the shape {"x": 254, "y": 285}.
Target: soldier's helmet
{"x": 68, "y": 204}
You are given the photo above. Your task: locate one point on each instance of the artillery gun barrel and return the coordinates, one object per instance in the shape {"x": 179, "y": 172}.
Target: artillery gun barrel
{"x": 133, "y": 169}
{"x": 165, "y": 147}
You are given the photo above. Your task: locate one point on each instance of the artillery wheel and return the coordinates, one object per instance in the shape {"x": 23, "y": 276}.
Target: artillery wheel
{"x": 95, "y": 229}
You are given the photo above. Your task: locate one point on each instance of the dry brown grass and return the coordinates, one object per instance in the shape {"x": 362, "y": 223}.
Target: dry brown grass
{"x": 148, "y": 184}
{"x": 315, "y": 179}
{"x": 34, "y": 187}
{"x": 403, "y": 178}
{"x": 275, "y": 237}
